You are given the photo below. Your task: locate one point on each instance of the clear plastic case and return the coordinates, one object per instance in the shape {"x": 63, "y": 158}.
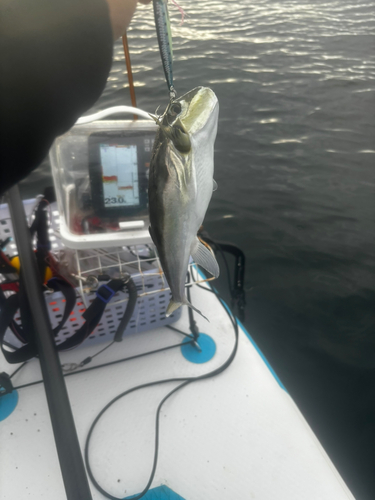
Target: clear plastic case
{"x": 100, "y": 172}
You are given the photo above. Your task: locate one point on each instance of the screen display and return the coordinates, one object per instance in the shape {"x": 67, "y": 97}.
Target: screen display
{"x": 119, "y": 175}
{"x": 119, "y": 163}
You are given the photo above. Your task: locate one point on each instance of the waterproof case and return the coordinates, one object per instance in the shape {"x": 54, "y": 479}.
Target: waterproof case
{"x": 100, "y": 171}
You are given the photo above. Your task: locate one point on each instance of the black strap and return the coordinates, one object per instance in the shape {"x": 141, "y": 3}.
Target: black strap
{"x": 92, "y": 316}
{"x": 13, "y": 324}
{"x": 25, "y": 352}
{"x": 133, "y": 297}
{"x": 39, "y": 227}
{"x": 237, "y": 286}
{"x": 25, "y": 332}
{"x": 69, "y": 293}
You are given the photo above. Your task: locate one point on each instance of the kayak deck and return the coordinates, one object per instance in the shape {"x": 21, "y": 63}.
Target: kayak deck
{"x": 236, "y": 435}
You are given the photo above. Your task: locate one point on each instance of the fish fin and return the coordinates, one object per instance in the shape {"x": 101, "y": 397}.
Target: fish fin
{"x": 205, "y": 257}
{"x": 172, "y": 306}
{"x": 214, "y": 188}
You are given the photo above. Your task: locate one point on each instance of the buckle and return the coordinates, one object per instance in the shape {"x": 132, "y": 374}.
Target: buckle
{"x": 107, "y": 295}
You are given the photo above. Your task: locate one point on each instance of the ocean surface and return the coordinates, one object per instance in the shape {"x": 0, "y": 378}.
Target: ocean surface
{"x": 295, "y": 161}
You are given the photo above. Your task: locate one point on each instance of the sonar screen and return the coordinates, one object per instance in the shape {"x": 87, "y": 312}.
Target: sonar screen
{"x": 118, "y": 167}
{"x": 120, "y": 175}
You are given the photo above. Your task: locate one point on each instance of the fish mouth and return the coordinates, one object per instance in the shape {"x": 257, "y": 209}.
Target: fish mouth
{"x": 204, "y": 92}
{"x": 191, "y": 111}
{"x": 200, "y": 98}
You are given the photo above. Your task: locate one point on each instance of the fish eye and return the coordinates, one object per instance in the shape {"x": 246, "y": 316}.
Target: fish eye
{"x": 175, "y": 109}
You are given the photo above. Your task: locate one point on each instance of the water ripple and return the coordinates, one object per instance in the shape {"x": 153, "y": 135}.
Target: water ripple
{"x": 296, "y": 86}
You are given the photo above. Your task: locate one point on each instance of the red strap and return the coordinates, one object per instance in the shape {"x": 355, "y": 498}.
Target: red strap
{"x": 10, "y": 287}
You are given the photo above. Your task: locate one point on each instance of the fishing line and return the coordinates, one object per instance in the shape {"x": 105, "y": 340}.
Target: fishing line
{"x": 185, "y": 381}
{"x": 69, "y": 367}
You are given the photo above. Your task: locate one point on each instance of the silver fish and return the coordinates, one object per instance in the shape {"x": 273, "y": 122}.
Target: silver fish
{"x": 180, "y": 187}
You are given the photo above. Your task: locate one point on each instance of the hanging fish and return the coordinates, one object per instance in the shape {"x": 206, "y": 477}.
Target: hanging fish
{"x": 180, "y": 187}
{"x": 163, "y": 30}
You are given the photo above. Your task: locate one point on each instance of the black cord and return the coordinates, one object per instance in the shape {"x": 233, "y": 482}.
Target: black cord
{"x": 103, "y": 365}
{"x": 90, "y": 358}
{"x": 192, "y": 323}
{"x": 179, "y": 331}
{"x": 185, "y": 381}
{"x": 18, "y": 369}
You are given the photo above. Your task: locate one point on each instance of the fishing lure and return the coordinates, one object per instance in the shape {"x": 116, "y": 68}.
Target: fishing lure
{"x": 163, "y": 30}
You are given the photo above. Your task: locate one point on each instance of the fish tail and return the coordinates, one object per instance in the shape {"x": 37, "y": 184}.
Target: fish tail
{"x": 172, "y": 306}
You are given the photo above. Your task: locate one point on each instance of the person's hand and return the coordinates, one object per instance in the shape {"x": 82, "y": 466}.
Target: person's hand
{"x": 120, "y": 13}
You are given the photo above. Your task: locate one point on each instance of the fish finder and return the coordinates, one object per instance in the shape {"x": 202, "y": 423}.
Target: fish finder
{"x": 101, "y": 170}
{"x": 118, "y": 169}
